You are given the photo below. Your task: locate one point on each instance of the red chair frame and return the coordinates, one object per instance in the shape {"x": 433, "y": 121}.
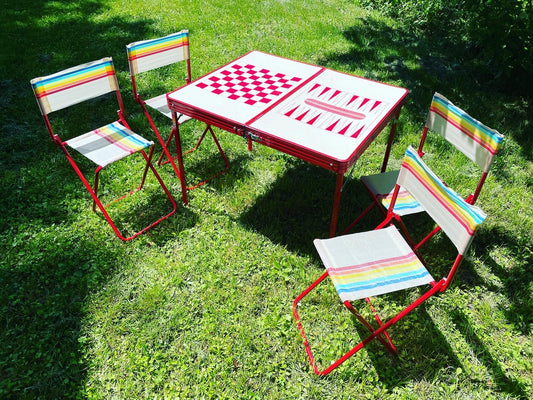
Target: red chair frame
{"x": 81, "y": 83}
{"x": 151, "y": 54}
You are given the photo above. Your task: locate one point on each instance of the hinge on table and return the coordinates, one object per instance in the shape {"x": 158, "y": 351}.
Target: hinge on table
{"x": 247, "y": 135}
{"x": 252, "y": 137}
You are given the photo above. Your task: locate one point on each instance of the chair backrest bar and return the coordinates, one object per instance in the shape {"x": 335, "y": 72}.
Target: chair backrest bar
{"x": 146, "y": 55}
{"x": 458, "y": 219}
{"x": 75, "y": 85}
{"x": 474, "y": 139}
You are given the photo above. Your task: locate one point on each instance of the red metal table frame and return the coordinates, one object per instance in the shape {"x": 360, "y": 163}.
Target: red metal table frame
{"x": 325, "y": 117}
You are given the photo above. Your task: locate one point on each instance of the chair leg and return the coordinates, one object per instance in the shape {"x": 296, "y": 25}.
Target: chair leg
{"x": 169, "y": 139}
{"x": 384, "y": 338}
{"x": 374, "y": 333}
{"x": 96, "y": 200}
{"x": 299, "y": 324}
{"x": 95, "y": 186}
{"x": 356, "y": 221}
{"x": 375, "y": 203}
{"x": 208, "y": 128}
{"x": 221, "y": 151}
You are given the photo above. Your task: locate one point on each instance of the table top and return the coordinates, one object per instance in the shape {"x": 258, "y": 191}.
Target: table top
{"x": 317, "y": 114}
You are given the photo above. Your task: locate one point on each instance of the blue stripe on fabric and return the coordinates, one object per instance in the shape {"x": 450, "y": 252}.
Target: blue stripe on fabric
{"x": 497, "y": 138}
{"x": 159, "y": 40}
{"x": 358, "y": 286}
{"x": 458, "y": 199}
{"x": 72, "y": 73}
{"x": 116, "y": 127}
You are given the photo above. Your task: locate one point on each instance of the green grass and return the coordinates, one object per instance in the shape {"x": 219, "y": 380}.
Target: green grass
{"x": 200, "y": 306}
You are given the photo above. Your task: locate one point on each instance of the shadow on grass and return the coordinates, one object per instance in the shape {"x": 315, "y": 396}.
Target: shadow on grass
{"x": 49, "y": 271}
{"x": 516, "y": 278}
{"x": 43, "y": 297}
{"x": 296, "y": 209}
{"x": 483, "y": 353}
{"x": 429, "y": 64}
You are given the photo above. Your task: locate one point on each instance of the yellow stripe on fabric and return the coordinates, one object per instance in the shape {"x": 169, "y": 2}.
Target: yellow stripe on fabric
{"x": 404, "y": 200}
{"x": 382, "y": 270}
{"x": 57, "y": 84}
{"x": 486, "y": 138}
{"x": 116, "y": 135}
{"x": 143, "y": 51}
{"x": 444, "y": 195}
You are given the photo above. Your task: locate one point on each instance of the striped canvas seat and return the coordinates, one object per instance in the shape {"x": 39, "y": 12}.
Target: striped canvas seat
{"x": 368, "y": 264}
{"x": 109, "y": 143}
{"x": 105, "y": 145}
{"x": 382, "y": 186}
{"x": 360, "y": 265}
{"x": 474, "y": 139}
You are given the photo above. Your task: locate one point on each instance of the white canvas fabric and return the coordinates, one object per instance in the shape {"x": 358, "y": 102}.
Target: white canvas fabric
{"x": 371, "y": 263}
{"x": 75, "y": 85}
{"x": 109, "y": 143}
{"x": 157, "y": 56}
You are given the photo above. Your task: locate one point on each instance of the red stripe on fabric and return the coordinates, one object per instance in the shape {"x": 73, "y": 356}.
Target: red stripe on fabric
{"x": 74, "y": 84}
{"x": 459, "y": 218}
{"x": 162, "y": 49}
{"x": 368, "y": 266}
{"x": 113, "y": 140}
{"x": 464, "y": 130}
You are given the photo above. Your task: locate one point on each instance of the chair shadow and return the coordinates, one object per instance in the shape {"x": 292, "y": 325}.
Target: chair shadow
{"x": 516, "y": 279}
{"x": 417, "y": 334}
{"x": 483, "y": 354}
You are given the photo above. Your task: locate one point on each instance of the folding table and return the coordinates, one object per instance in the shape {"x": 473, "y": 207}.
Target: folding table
{"x": 325, "y": 117}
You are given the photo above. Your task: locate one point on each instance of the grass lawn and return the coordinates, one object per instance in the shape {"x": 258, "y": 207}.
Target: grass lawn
{"x": 200, "y": 306}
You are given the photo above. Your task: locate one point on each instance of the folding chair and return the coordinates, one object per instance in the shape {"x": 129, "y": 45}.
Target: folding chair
{"x": 104, "y": 145}
{"x": 156, "y": 53}
{"x": 475, "y": 140}
{"x": 367, "y": 264}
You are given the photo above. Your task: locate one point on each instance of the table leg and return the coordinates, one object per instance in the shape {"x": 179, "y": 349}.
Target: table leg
{"x": 179, "y": 152}
{"x": 336, "y": 205}
{"x": 389, "y": 143}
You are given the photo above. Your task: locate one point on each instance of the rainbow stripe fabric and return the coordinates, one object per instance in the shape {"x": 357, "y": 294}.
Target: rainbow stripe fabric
{"x": 382, "y": 186}
{"x": 108, "y": 143}
{"x": 148, "y": 54}
{"x": 71, "y": 86}
{"x": 371, "y": 263}
{"x": 405, "y": 203}
{"x": 456, "y": 217}
{"x": 69, "y": 79}
{"x": 473, "y": 138}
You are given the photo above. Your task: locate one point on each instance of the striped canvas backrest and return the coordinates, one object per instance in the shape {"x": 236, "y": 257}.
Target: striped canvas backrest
{"x": 458, "y": 219}
{"x": 149, "y": 54}
{"x": 74, "y": 85}
{"x": 475, "y": 140}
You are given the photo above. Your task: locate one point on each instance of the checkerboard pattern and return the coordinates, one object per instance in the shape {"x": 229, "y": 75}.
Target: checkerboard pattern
{"x": 249, "y": 84}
